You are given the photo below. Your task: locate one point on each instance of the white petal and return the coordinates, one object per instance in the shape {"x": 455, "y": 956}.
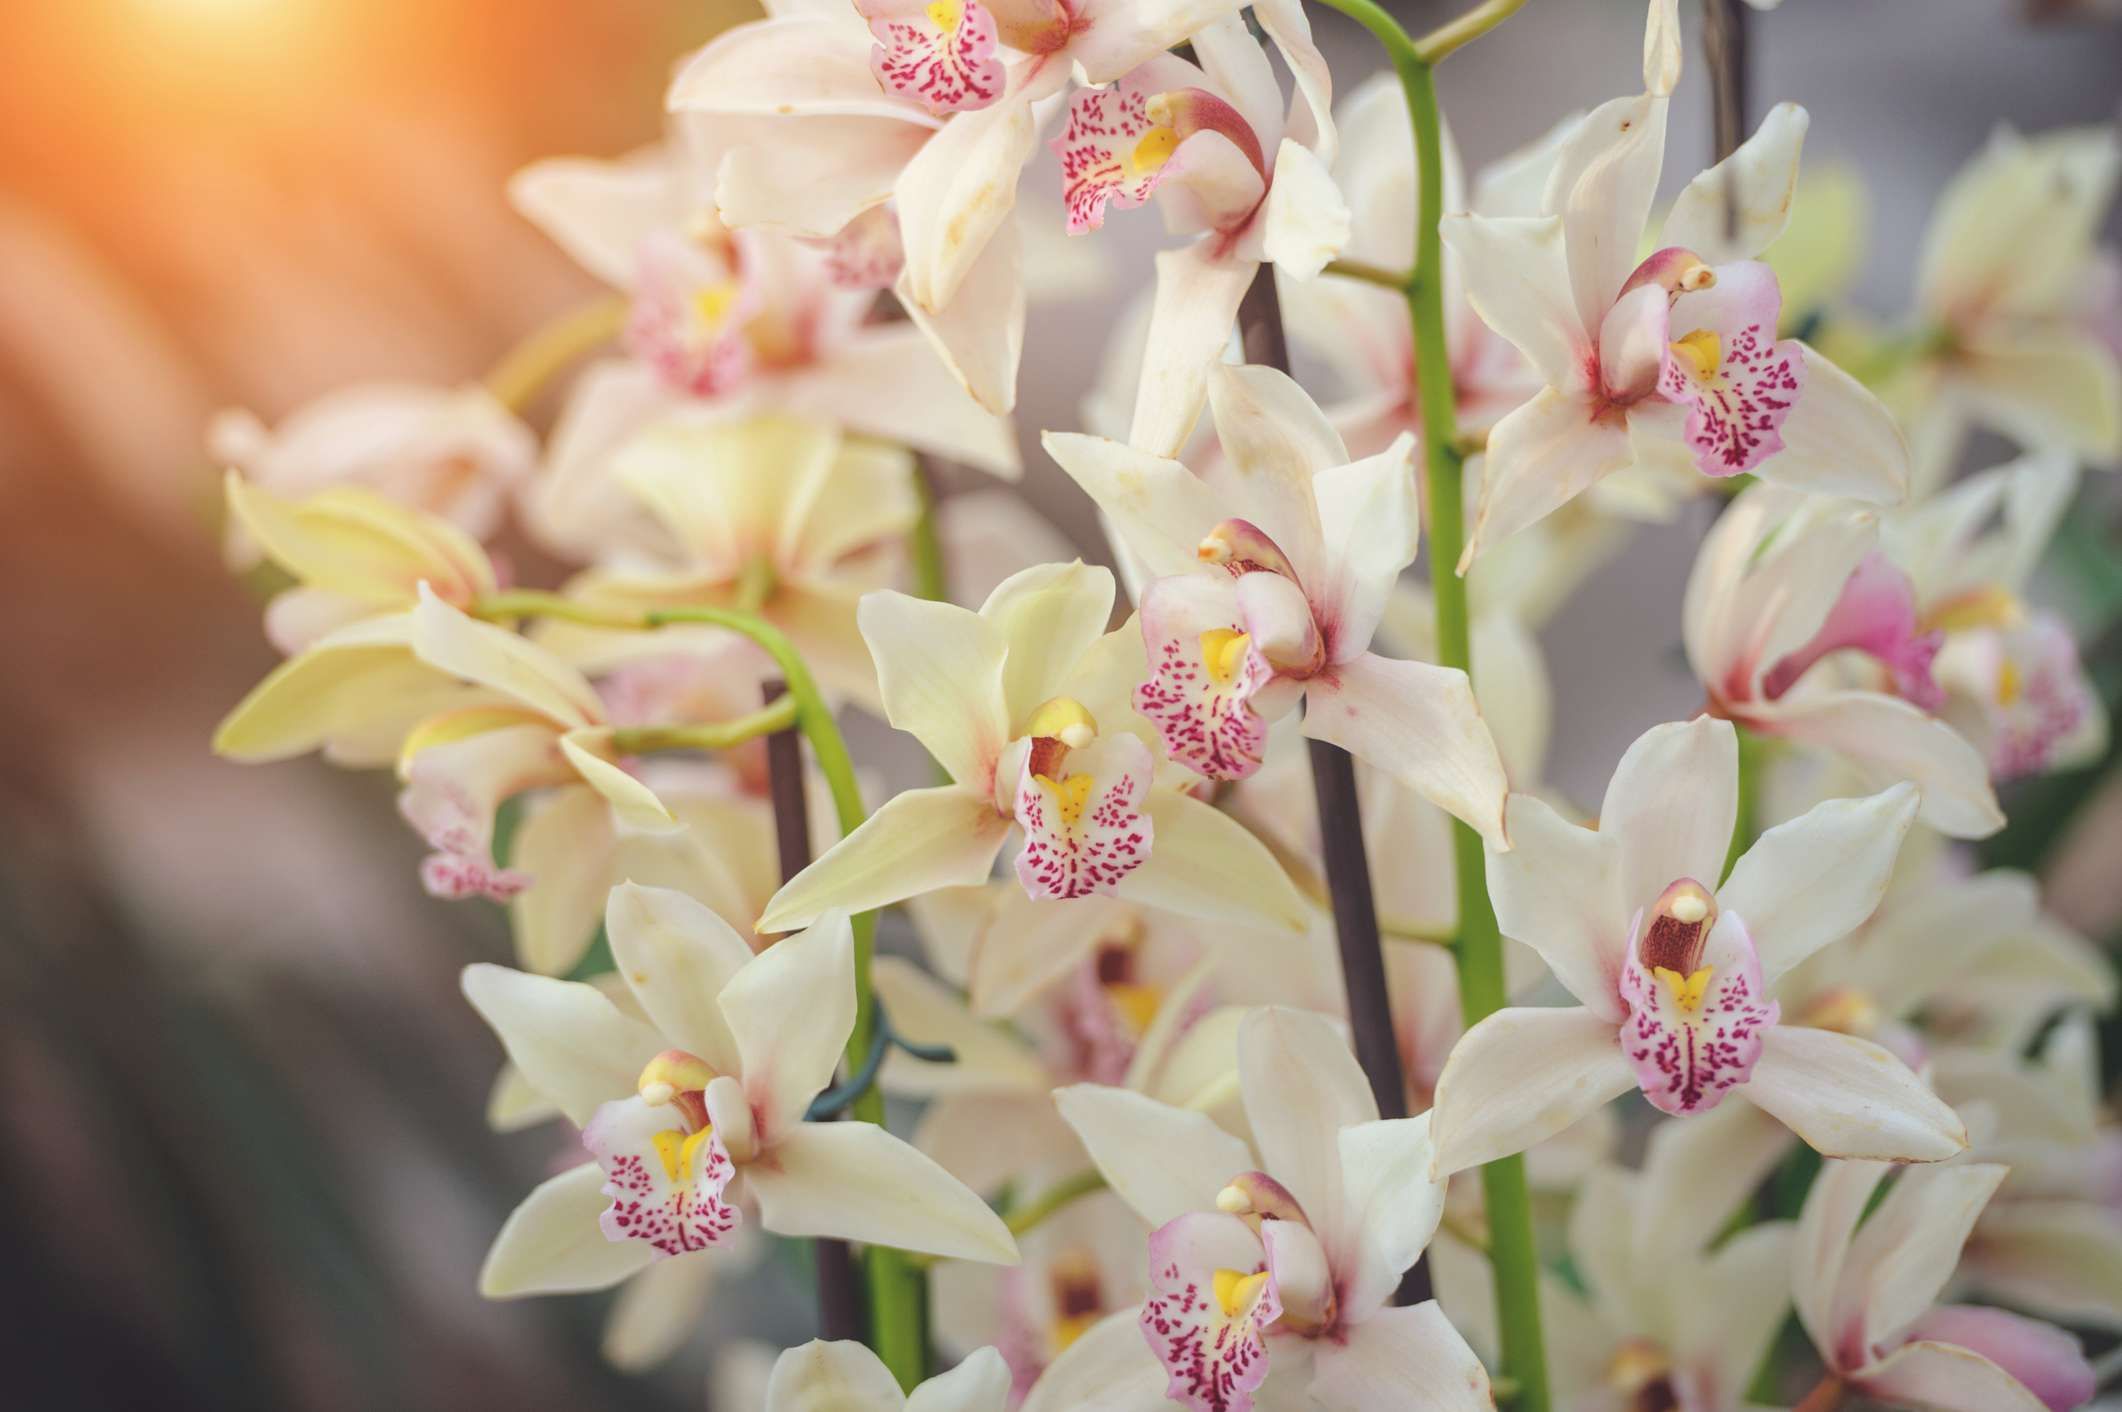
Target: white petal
{"x": 600, "y": 212}
{"x": 1370, "y": 520}
{"x": 1275, "y": 442}
{"x": 1947, "y": 1378}
{"x": 571, "y": 1043}
{"x": 831, "y": 1377}
{"x": 551, "y": 1243}
{"x": 1906, "y": 1251}
{"x": 632, "y": 802}
{"x": 1390, "y": 1207}
{"x": 1558, "y": 890}
{"x": 1601, "y": 186}
{"x": 659, "y": 1311}
{"x": 1190, "y": 322}
{"x": 1207, "y": 865}
{"x": 988, "y": 1059}
{"x": 1162, "y": 1161}
{"x": 812, "y": 65}
{"x": 888, "y": 383}
{"x": 1420, "y": 724}
{"x": 2059, "y": 1259}
{"x": 1540, "y": 457}
{"x": 918, "y": 841}
{"x": 2048, "y": 388}
{"x": 858, "y": 1182}
{"x": 676, "y": 956}
{"x": 1840, "y": 440}
{"x": 810, "y": 176}
{"x": 1661, "y": 47}
{"x": 1888, "y": 739}
{"x": 1306, "y": 222}
{"x": 1108, "y": 1369}
{"x": 979, "y": 334}
{"x": 1517, "y": 279}
{"x": 1815, "y": 879}
{"x": 1697, "y": 1172}
{"x": 940, "y": 670}
{"x": 1302, "y": 1086}
{"x": 1404, "y": 1358}
{"x": 789, "y": 1011}
{"x": 1729, "y": 1316}
{"x": 1671, "y": 806}
{"x": 1047, "y": 617}
{"x": 1848, "y": 1097}
{"x": 1765, "y": 170}
{"x": 1161, "y": 508}
{"x": 1028, "y": 943}
{"x": 498, "y": 659}
{"x": 1122, "y": 35}
{"x": 565, "y": 844}
{"x": 1839, "y": 1197}
{"x": 957, "y": 193}
{"x": 1519, "y": 1077}
{"x": 979, "y": 1384}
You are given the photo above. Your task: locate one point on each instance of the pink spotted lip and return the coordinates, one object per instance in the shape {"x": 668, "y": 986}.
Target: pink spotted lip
{"x": 945, "y": 70}
{"x": 1688, "y": 1053}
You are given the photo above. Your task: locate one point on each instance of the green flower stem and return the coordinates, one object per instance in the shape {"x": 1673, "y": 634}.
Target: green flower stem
{"x": 931, "y": 581}
{"x": 1023, "y": 1218}
{"x": 1368, "y": 273}
{"x": 1479, "y": 946}
{"x": 540, "y": 357}
{"x": 1746, "y": 822}
{"x": 707, "y": 735}
{"x": 898, "y": 1298}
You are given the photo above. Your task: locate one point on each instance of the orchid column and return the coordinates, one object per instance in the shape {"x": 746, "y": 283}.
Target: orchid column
{"x": 1478, "y": 945}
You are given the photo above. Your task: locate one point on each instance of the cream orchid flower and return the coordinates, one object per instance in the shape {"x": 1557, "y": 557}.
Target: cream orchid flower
{"x": 353, "y": 554}
{"x": 1248, "y": 179}
{"x": 847, "y": 1377}
{"x": 1271, "y": 1275}
{"x": 1866, "y": 1297}
{"x": 473, "y": 715}
{"x": 2008, "y": 674}
{"x": 1024, "y": 704}
{"x": 452, "y": 452}
{"x": 1786, "y": 592}
{"x": 1674, "y": 978}
{"x": 696, "y": 1116}
{"x": 797, "y": 545}
{"x": 1268, "y": 581}
{"x": 2006, "y": 308}
{"x": 744, "y": 320}
{"x": 1673, "y": 361}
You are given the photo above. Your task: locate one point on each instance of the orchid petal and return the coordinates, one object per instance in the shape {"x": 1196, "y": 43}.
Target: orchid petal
{"x": 1370, "y": 520}
{"x": 789, "y": 1011}
{"x": 957, "y": 193}
{"x": 601, "y": 212}
{"x": 832, "y": 1377}
{"x": 1602, "y": 184}
{"x": 571, "y": 1043}
{"x": 979, "y": 335}
{"x": 1839, "y": 1197}
{"x": 1540, "y": 457}
{"x": 1671, "y": 806}
{"x": 1764, "y": 171}
{"x": 1839, "y": 439}
{"x": 1047, "y": 617}
{"x": 980, "y": 1383}
{"x": 1306, "y": 221}
{"x": 1848, "y": 1097}
{"x": 1108, "y": 1369}
{"x": 940, "y": 670}
{"x": 1190, "y": 322}
{"x": 658, "y": 1310}
{"x": 495, "y": 658}
{"x": 855, "y": 1181}
{"x": 1887, "y": 739}
{"x": 917, "y": 841}
{"x": 1162, "y": 1161}
{"x": 1411, "y": 1358}
{"x": 1947, "y": 1378}
{"x": 1302, "y": 1087}
{"x": 1908, "y": 1248}
{"x": 1419, "y": 723}
{"x": 1208, "y": 865}
{"x": 985, "y": 1057}
{"x": 888, "y": 384}
{"x": 1390, "y": 1208}
{"x": 1517, "y": 278}
{"x": 676, "y": 956}
{"x": 1558, "y": 890}
{"x": 1161, "y": 508}
{"x": 2062, "y": 1259}
{"x": 1815, "y": 879}
{"x": 551, "y": 1244}
{"x": 564, "y": 842}
{"x": 1518, "y": 1078}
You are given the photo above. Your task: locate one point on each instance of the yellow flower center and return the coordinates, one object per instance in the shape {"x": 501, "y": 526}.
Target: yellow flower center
{"x": 1701, "y": 351}
{"x": 1845, "y": 1010}
{"x": 676, "y": 1148}
{"x": 945, "y": 15}
{"x": 1688, "y": 990}
{"x": 1223, "y": 653}
{"x": 1067, "y": 1330}
{"x": 1235, "y": 1290}
{"x": 2009, "y": 683}
{"x": 711, "y": 304}
{"x": 671, "y": 1073}
{"x": 1991, "y": 606}
{"x": 1636, "y": 1364}
{"x": 1064, "y": 719}
{"x": 1137, "y": 1003}
{"x": 1070, "y": 796}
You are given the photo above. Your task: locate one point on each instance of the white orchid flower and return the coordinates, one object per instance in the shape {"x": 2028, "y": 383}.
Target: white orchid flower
{"x": 473, "y": 715}
{"x": 1025, "y": 705}
{"x": 1673, "y": 361}
{"x": 846, "y": 1377}
{"x": 353, "y": 554}
{"x": 2008, "y": 300}
{"x": 1269, "y": 577}
{"x": 1866, "y": 1295}
{"x": 696, "y": 1115}
{"x": 1674, "y": 976}
{"x": 734, "y": 320}
{"x": 1247, "y": 178}
{"x": 1785, "y": 594}
{"x": 451, "y": 452}
{"x": 1658, "y": 1317}
{"x": 1272, "y": 1265}
{"x": 2008, "y": 673}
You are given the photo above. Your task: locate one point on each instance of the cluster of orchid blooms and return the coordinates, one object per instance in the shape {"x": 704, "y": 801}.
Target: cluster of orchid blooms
{"x": 1149, "y": 1170}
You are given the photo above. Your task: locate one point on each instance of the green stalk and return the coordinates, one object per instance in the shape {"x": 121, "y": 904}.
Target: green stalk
{"x": 930, "y": 579}
{"x": 1479, "y": 945}
{"x": 898, "y": 1297}
{"x": 543, "y": 353}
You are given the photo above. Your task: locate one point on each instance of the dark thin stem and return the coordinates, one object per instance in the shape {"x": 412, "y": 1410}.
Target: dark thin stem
{"x": 839, "y": 1294}
{"x": 1348, "y": 884}
{"x": 1724, "y": 45}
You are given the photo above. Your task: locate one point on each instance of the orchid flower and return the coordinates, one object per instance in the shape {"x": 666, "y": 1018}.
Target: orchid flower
{"x": 1250, "y": 181}
{"x": 1657, "y": 1318}
{"x": 451, "y": 452}
{"x": 827, "y": 1377}
{"x": 1673, "y": 360}
{"x": 797, "y": 547}
{"x": 473, "y": 715}
{"x": 742, "y": 320}
{"x": 1866, "y": 1296}
{"x": 825, "y": 112}
{"x": 2006, "y": 297}
{"x": 1785, "y": 593}
{"x": 1272, "y": 1265}
{"x": 1269, "y": 577}
{"x": 2008, "y": 674}
{"x": 1674, "y": 977}
{"x": 1362, "y": 330}
{"x": 1024, "y": 705}
{"x": 2050, "y": 1242}
{"x": 353, "y": 554}
{"x": 694, "y": 1118}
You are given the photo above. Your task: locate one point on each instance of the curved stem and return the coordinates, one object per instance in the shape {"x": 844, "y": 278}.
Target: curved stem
{"x": 1369, "y": 274}
{"x": 931, "y": 580}
{"x": 1480, "y": 945}
{"x": 539, "y": 357}
{"x": 707, "y": 735}
{"x": 1046, "y": 1203}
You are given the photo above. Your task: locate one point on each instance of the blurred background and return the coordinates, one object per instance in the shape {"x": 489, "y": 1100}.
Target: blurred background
{"x": 242, "y": 1155}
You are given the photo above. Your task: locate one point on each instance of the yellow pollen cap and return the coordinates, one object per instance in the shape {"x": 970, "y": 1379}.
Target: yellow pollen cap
{"x": 1064, "y": 719}
{"x": 671, "y": 1073}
